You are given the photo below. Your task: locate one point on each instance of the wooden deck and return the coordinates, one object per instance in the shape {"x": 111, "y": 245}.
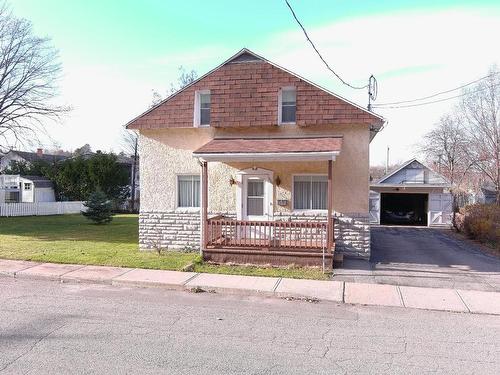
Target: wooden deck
{"x": 267, "y": 242}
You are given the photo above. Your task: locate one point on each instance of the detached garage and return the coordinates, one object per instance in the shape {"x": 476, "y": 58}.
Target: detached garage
{"x": 411, "y": 195}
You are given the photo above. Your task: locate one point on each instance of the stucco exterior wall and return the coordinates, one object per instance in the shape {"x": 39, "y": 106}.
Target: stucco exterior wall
{"x": 167, "y": 153}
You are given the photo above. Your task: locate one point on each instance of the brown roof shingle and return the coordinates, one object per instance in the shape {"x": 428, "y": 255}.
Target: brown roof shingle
{"x": 270, "y": 145}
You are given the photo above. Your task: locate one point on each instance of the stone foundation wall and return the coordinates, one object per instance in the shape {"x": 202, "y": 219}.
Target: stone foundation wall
{"x": 352, "y": 235}
{"x": 352, "y": 231}
{"x": 169, "y": 230}
{"x": 181, "y": 230}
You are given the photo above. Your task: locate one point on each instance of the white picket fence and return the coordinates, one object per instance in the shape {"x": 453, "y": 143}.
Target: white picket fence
{"x": 40, "y": 208}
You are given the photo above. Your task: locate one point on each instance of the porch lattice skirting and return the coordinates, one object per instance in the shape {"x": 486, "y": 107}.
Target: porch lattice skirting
{"x": 182, "y": 230}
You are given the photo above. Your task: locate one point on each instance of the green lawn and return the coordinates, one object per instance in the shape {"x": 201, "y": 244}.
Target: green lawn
{"x": 72, "y": 239}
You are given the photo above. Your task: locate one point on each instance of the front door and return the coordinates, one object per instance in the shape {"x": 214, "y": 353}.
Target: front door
{"x": 256, "y": 200}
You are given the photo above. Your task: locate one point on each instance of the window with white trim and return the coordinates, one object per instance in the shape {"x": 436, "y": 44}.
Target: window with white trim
{"x": 202, "y": 108}
{"x": 288, "y": 105}
{"x": 188, "y": 191}
{"x": 27, "y": 186}
{"x": 310, "y": 192}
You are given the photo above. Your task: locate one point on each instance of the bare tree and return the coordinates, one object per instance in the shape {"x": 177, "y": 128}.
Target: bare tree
{"x": 128, "y": 142}
{"x": 379, "y": 171}
{"x": 480, "y": 112}
{"x": 445, "y": 147}
{"x": 28, "y": 75}
{"x": 184, "y": 79}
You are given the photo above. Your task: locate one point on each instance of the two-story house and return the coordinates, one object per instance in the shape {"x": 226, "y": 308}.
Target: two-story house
{"x": 255, "y": 164}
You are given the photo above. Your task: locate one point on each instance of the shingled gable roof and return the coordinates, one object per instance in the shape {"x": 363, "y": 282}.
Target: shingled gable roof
{"x": 403, "y": 166}
{"x": 245, "y": 55}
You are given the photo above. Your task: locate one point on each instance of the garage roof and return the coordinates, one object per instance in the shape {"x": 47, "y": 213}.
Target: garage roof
{"x": 413, "y": 173}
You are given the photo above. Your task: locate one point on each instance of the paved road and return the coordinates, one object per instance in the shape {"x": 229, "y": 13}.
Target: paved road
{"x": 46, "y": 327}
{"x": 424, "y": 257}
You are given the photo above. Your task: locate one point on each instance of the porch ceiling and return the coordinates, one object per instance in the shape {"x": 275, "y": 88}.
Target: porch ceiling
{"x": 266, "y": 149}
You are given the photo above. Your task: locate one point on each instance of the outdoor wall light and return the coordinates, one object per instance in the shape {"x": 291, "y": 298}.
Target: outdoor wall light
{"x": 278, "y": 181}
{"x": 232, "y": 181}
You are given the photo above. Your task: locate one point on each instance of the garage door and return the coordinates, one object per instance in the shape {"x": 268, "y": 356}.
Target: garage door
{"x": 403, "y": 209}
{"x": 440, "y": 209}
{"x": 374, "y": 207}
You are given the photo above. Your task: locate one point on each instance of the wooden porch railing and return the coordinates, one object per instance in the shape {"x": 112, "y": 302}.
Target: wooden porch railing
{"x": 266, "y": 235}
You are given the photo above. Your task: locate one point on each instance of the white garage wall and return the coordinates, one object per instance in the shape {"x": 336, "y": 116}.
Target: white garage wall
{"x": 440, "y": 209}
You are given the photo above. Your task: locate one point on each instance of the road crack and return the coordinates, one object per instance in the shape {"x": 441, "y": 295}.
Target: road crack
{"x": 30, "y": 349}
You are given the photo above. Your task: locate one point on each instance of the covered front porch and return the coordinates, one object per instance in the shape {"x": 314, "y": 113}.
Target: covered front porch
{"x": 257, "y": 235}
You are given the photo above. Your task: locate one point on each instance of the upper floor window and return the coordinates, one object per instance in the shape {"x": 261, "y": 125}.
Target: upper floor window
{"x": 27, "y": 186}
{"x": 202, "y": 108}
{"x": 287, "y": 105}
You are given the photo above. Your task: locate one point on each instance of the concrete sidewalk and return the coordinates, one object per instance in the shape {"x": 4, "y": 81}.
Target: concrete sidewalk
{"x": 467, "y": 301}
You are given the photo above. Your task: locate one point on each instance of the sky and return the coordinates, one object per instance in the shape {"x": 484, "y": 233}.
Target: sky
{"x": 114, "y": 53}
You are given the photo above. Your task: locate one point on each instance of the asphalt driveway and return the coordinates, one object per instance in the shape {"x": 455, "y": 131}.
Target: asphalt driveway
{"x": 423, "y": 257}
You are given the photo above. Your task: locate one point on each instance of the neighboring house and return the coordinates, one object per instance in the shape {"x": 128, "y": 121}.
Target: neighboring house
{"x": 25, "y": 189}
{"x": 487, "y": 195}
{"x": 29, "y": 157}
{"x": 413, "y": 194}
{"x": 279, "y": 156}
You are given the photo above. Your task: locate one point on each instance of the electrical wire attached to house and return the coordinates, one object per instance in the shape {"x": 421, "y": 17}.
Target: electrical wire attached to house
{"x": 319, "y": 54}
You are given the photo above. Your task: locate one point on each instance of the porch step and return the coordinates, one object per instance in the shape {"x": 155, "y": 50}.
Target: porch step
{"x": 250, "y": 250}
{"x": 263, "y": 257}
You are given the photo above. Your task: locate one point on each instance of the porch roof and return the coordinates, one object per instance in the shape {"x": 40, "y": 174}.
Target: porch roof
{"x": 274, "y": 149}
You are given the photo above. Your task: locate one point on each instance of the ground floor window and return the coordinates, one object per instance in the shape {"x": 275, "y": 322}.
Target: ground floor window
{"x": 188, "y": 191}
{"x": 310, "y": 192}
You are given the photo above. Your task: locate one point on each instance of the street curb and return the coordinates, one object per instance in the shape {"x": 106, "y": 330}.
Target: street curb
{"x": 185, "y": 286}
{"x": 88, "y": 280}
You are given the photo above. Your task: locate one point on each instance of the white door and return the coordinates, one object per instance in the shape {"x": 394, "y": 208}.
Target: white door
{"x": 374, "y": 207}
{"x": 440, "y": 208}
{"x": 257, "y": 198}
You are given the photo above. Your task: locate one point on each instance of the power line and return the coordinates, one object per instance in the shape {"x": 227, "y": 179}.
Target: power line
{"x": 437, "y": 94}
{"x": 435, "y": 101}
{"x": 319, "y": 54}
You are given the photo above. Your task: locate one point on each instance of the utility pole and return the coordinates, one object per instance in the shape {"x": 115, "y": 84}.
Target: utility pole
{"x": 387, "y": 161}
{"x": 134, "y": 168}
